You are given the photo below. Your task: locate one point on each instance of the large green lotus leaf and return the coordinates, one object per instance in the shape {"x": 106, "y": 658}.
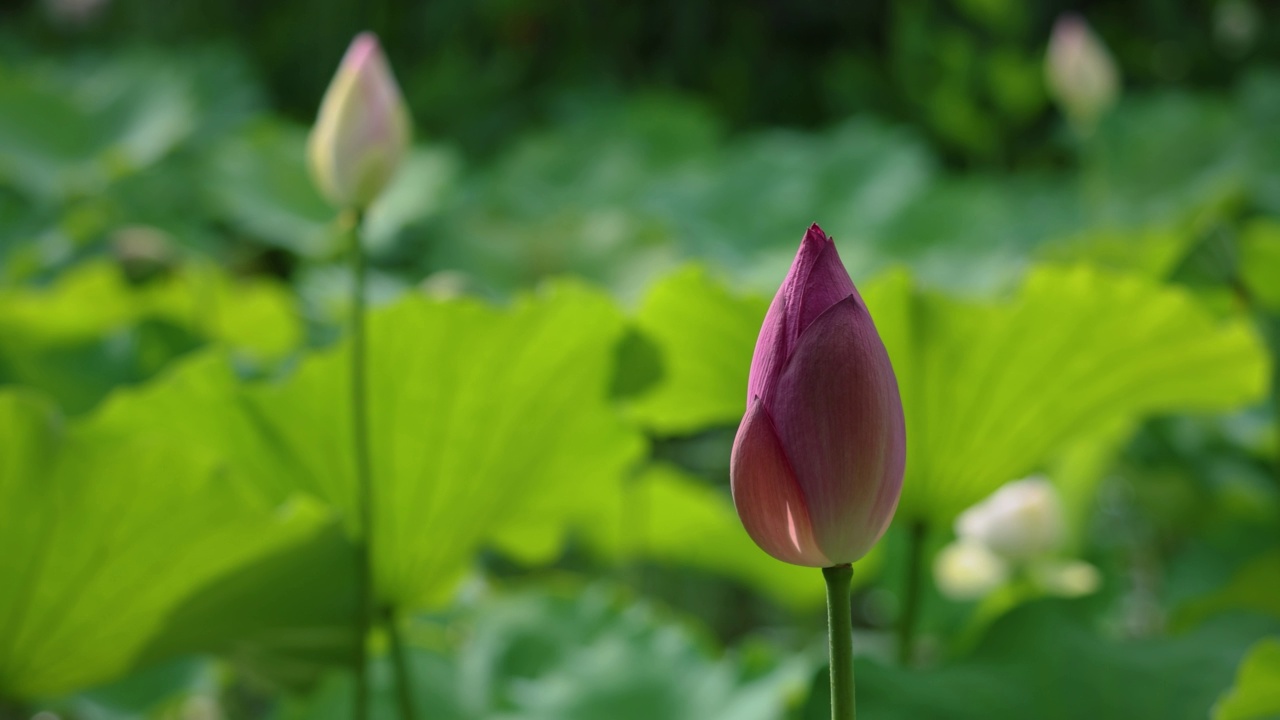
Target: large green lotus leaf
{"x": 1256, "y": 694}
{"x": 666, "y": 516}
{"x": 258, "y": 181}
{"x": 68, "y": 133}
{"x": 287, "y": 615}
{"x": 1151, "y": 251}
{"x": 283, "y": 619}
{"x": 1044, "y": 660}
{"x": 684, "y": 314}
{"x": 1129, "y": 176}
{"x": 105, "y": 534}
{"x": 253, "y": 317}
{"x": 93, "y": 330}
{"x": 991, "y": 390}
{"x": 200, "y": 401}
{"x": 479, "y": 417}
{"x": 488, "y": 425}
{"x": 93, "y": 299}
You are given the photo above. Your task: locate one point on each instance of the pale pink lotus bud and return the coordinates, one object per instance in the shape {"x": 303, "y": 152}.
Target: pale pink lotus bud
{"x": 1080, "y": 73}
{"x": 818, "y": 461}
{"x": 363, "y": 129}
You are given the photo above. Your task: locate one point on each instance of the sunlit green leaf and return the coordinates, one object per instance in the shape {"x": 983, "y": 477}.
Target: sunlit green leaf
{"x": 106, "y": 534}
{"x": 287, "y": 615}
{"x": 685, "y": 314}
{"x": 1150, "y": 251}
{"x": 93, "y": 330}
{"x": 990, "y": 391}
{"x": 1256, "y": 694}
{"x": 664, "y": 515}
{"x": 282, "y": 619}
{"x": 488, "y": 426}
{"x": 476, "y": 415}
{"x": 1260, "y": 262}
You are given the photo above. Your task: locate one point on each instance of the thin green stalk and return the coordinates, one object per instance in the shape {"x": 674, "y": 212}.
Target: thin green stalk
{"x": 840, "y": 636}
{"x": 911, "y": 598}
{"x": 1271, "y": 331}
{"x": 400, "y": 664}
{"x": 364, "y": 475}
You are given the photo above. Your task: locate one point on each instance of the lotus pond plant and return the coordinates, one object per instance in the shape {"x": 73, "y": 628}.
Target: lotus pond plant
{"x": 360, "y": 136}
{"x": 819, "y": 457}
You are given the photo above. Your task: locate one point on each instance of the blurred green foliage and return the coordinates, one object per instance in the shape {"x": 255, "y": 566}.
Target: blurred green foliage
{"x": 967, "y": 72}
{"x": 554, "y": 529}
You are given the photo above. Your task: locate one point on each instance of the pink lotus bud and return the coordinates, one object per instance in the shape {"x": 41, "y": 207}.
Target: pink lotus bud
{"x": 363, "y": 128}
{"x": 817, "y": 464}
{"x": 1080, "y": 73}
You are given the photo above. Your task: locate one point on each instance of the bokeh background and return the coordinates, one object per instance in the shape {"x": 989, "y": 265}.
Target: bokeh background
{"x": 568, "y": 275}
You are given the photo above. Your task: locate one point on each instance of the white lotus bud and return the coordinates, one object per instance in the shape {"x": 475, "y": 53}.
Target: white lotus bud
{"x": 1080, "y": 73}
{"x": 363, "y": 129}
{"x": 1021, "y": 520}
{"x": 967, "y": 570}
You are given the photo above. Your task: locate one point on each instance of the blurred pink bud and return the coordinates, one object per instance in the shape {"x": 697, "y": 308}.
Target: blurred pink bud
{"x": 74, "y": 12}
{"x": 1079, "y": 71}
{"x": 818, "y": 461}
{"x": 363, "y": 129}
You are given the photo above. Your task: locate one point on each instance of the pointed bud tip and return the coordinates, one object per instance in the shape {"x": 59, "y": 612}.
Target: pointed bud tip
{"x": 1069, "y": 24}
{"x": 815, "y": 235}
{"x": 364, "y": 46}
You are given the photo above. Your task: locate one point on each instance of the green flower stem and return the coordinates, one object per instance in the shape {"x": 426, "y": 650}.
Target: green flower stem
{"x": 400, "y": 664}
{"x": 840, "y": 635}
{"x": 911, "y": 598}
{"x": 364, "y": 480}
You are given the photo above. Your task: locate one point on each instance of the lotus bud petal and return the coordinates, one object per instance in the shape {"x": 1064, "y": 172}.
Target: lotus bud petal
{"x": 1079, "y": 71}
{"x": 1021, "y": 520}
{"x": 363, "y": 129}
{"x": 818, "y": 461}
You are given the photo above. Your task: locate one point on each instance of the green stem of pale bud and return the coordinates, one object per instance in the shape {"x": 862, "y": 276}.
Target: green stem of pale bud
{"x": 840, "y": 635}
{"x": 400, "y": 665}
{"x": 351, "y": 221}
{"x": 910, "y": 616}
